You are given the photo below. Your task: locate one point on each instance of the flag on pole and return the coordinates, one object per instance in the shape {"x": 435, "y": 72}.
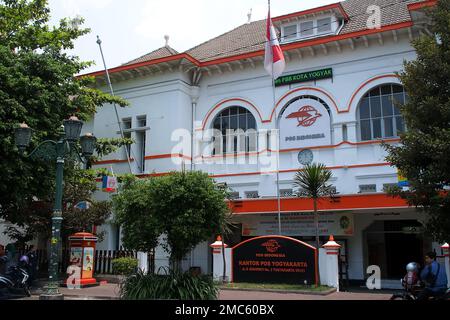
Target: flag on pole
{"x": 109, "y": 184}
{"x": 273, "y": 60}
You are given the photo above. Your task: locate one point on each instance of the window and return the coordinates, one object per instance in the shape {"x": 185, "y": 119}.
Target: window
{"x": 306, "y": 28}
{"x": 290, "y": 32}
{"x": 286, "y": 193}
{"x": 251, "y": 194}
{"x": 126, "y": 125}
{"x": 321, "y": 26}
{"x": 141, "y": 122}
{"x": 237, "y": 127}
{"x": 388, "y": 186}
{"x": 324, "y": 25}
{"x": 234, "y": 195}
{"x": 378, "y": 117}
{"x": 367, "y": 188}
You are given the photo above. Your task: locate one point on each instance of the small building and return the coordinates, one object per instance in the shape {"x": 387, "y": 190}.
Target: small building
{"x": 213, "y": 108}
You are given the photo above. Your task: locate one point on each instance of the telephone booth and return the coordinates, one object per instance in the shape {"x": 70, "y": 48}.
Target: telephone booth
{"x": 82, "y": 252}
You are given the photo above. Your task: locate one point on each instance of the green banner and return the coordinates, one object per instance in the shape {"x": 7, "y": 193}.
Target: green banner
{"x": 305, "y": 76}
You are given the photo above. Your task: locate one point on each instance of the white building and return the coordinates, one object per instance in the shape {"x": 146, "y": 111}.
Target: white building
{"x": 336, "y": 109}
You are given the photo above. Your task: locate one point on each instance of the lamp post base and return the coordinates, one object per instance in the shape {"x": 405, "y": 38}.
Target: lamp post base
{"x": 51, "y": 296}
{"x": 51, "y": 292}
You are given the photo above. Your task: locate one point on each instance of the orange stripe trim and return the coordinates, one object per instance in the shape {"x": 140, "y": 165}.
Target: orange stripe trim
{"x": 168, "y": 155}
{"x": 299, "y": 149}
{"x": 347, "y": 35}
{"x": 344, "y": 202}
{"x": 420, "y": 5}
{"x": 301, "y": 89}
{"x": 158, "y": 174}
{"x": 383, "y": 164}
{"x": 365, "y": 84}
{"x": 225, "y": 101}
{"x": 145, "y": 63}
{"x": 252, "y": 54}
{"x": 111, "y": 161}
{"x": 292, "y": 46}
{"x": 314, "y": 10}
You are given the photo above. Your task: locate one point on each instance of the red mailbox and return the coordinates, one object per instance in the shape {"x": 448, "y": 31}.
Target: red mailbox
{"x": 82, "y": 252}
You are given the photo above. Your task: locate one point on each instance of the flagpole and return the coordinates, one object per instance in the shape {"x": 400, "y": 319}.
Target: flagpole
{"x": 277, "y": 129}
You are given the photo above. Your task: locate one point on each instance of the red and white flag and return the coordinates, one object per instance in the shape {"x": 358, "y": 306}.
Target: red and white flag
{"x": 274, "y": 59}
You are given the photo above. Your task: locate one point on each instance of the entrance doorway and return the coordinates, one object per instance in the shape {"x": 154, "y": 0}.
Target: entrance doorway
{"x": 393, "y": 244}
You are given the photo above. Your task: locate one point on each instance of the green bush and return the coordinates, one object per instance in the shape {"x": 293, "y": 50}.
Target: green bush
{"x": 174, "y": 286}
{"x": 124, "y": 266}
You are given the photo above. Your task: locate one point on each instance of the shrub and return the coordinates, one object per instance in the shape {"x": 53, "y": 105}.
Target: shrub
{"x": 173, "y": 286}
{"x": 124, "y": 266}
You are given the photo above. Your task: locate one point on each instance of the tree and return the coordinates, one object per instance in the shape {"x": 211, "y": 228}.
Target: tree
{"x": 312, "y": 182}
{"x": 186, "y": 207}
{"x": 134, "y": 213}
{"x": 37, "y": 86}
{"x": 422, "y": 155}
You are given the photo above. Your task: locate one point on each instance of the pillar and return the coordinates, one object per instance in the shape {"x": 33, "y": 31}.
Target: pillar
{"x": 143, "y": 261}
{"x": 445, "y": 249}
{"x": 218, "y": 259}
{"x": 332, "y": 263}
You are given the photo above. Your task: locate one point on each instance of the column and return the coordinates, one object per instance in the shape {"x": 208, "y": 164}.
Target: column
{"x": 332, "y": 263}
{"x": 445, "y": 249}
{"x": 337, "y": 133}
{"x": 143, "y": 261}
{"x": 218, "y": 259}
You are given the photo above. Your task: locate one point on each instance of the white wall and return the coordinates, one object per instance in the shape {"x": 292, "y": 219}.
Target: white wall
{"x": 165, "y": 99}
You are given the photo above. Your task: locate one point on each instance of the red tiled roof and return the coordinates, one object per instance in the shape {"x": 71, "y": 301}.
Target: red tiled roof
{"x": 162, "y": 52}
{"x": 250, "y": 37}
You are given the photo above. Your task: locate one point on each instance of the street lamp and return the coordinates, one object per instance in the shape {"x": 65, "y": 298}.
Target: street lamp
{"x": 57, "y": 150}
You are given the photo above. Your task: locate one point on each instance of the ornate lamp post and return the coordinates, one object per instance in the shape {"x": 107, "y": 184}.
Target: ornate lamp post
{"x": 57, "y": 150}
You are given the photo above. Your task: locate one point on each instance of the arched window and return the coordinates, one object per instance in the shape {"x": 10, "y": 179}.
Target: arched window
{"x": 237, "y": 127}
{"x": 378, "y": 117}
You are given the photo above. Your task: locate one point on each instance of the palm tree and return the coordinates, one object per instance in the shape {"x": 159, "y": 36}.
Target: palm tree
{"x": 312, "y": 182}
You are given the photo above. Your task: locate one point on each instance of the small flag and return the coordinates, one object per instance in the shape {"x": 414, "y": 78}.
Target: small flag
{"x": 109, "y": 184}
{"x": 274, "y": 59}
{"x": 402, "y": 181}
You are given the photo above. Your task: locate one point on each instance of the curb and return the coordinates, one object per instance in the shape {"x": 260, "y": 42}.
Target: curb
{"x": 317, "y": 293}
{"x": 83, "y": 297}
{"x": 91, "y": 297}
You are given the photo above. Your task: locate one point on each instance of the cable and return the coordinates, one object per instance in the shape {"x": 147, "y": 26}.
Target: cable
{"x": 99, "y": 42}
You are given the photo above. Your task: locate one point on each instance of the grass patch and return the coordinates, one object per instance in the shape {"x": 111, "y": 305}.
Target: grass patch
{"x": 275, "y": 286}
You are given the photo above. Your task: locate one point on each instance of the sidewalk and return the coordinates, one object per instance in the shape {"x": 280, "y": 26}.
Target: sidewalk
{"x": 111, "y": 292}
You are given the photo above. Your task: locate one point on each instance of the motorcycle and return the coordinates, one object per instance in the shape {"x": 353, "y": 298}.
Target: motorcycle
{"x": 413, "y": 286}
{"x": 17, "y": 277}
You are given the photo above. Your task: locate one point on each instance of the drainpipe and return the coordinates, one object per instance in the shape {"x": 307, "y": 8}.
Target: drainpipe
{"x": 195, "y": 93}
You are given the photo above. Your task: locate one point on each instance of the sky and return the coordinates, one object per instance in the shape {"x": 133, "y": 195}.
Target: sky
{"x": 129, "y": 29}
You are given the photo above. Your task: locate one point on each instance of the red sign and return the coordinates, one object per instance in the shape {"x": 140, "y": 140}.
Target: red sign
{"x": 306, "y": 116}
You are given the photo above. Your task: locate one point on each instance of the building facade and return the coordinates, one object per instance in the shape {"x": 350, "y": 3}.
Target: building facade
{"x": 214, "y": 108}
